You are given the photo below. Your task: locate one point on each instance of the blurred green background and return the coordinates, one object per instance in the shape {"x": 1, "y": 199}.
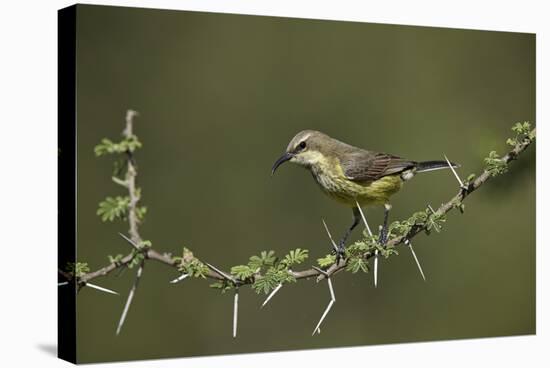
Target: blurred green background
{"x": 220, "y": 96}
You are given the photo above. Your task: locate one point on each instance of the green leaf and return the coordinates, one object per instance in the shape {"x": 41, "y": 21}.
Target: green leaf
{"x": 113, "y": 208}
{"x": 460, "y": 206}
{"x": 386, "y": 252}
{"x": 273, "y": 277}
{"x": 511, "y": 141}
{"x": 296, "y": 256}
{"x": 106, "y": 146}
{"x": 146, "y": 244}
{"x": 495, "y": 165}
{"x": 222, "y": 285}
{"x": 131, "y": 144}
{"x": 398, "y": 228}
{"x": 190, "y": 265}
{"x": 77, "y": 269}
{"x": 242, "y": 271}
{"x": 115, "y": 259}
{"x": 418, "y": 218}
{"x": 137, "y": 258}
{"x": 435, "y": 221}
{"x": 522, "y": 128}
{"x": 357, "y": 264}
{"x": 263, "y": 260}
{"x": 360, "y": 247}
{"x": 326, "y": 261}
{"x": 140, "y": 212}
{"x": 196, "y": 269}
{"x": 264, "y": 284}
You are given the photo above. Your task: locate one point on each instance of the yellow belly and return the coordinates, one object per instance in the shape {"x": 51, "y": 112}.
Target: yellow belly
{"x": 334, "y": 183}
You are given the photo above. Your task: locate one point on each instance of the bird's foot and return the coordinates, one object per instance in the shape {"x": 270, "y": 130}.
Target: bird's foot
{"x": 383, "y": 236}
{"x": 340, "y": 252}
{"x": 383, "y": 233}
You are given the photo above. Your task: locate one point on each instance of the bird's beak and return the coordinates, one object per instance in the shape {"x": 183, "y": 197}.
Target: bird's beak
{"x": 285, "y": 157}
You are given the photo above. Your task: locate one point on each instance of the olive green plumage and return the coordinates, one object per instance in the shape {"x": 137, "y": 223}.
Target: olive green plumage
{"x": 349, "y": 174}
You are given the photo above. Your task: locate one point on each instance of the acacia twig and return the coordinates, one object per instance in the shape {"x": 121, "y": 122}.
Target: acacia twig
{"x": 131, "y": 174}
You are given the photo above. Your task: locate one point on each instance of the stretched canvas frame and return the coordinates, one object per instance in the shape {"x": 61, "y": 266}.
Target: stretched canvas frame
{"x": 305, "y": 76}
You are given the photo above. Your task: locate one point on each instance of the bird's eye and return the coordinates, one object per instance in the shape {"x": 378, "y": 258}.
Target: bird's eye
{"x": 302, "y": 145}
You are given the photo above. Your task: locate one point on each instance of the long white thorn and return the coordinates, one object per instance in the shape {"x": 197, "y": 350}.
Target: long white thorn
{"x": 376, "y": 251}
{"x": 376, "y": 268}
{"x": 454, "y": 172}
{"x": 331, "y": 289}
{"x": 235, "y": 311}
{"x": 105, "y": 290}
{"x": 329, "y": 306}
{"x": 272, "y": 294}
{"x": 329, "y": 235}
{"x": 182, "y": 277}
{"x": 364, "y": 218}
{"x": 407, "y": 242}
{"x": 220, "y": 272}
{"x": 317, "y": 328}
{"x": 133, "y": 243}
{"x": 62, "y": 283}
{"x": 129, "y": 300}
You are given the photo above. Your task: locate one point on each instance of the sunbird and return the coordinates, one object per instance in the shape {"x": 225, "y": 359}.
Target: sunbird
{"x": 353, "y": 175}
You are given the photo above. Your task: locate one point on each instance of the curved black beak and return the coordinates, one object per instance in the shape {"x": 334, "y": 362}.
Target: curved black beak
{"x": 284, "y": 158}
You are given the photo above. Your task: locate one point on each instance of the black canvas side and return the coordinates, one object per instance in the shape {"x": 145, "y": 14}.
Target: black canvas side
{"x": 66, "y": 187}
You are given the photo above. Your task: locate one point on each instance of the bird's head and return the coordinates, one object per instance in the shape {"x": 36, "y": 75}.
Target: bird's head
{"x": 305, "y": 149}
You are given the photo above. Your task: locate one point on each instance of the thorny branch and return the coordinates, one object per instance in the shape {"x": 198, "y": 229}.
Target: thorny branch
{"x": 131, "y": 174}
{"x": 453, "y": 202}
{"x": 149, "y": 253}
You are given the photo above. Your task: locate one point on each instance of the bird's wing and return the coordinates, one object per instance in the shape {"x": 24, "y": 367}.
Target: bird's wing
{"x": 367, "y": 166}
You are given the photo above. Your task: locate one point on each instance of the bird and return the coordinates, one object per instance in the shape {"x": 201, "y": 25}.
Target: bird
{"x": 353, "y": 176}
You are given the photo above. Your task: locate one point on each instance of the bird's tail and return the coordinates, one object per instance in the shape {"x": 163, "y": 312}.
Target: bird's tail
{"x": 434, "y": 165}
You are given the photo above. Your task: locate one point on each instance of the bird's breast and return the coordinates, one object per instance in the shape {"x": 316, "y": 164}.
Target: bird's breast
{"x": 332, "y": 180}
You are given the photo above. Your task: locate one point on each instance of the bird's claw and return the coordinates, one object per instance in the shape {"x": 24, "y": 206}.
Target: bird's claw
{"x": 383, "y": 238}
{"x": 340, "y": 252}
{"x": 383, "y": 232}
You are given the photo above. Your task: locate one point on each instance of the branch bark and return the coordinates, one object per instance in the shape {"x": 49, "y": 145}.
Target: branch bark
{"x": 131, "y": 174}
